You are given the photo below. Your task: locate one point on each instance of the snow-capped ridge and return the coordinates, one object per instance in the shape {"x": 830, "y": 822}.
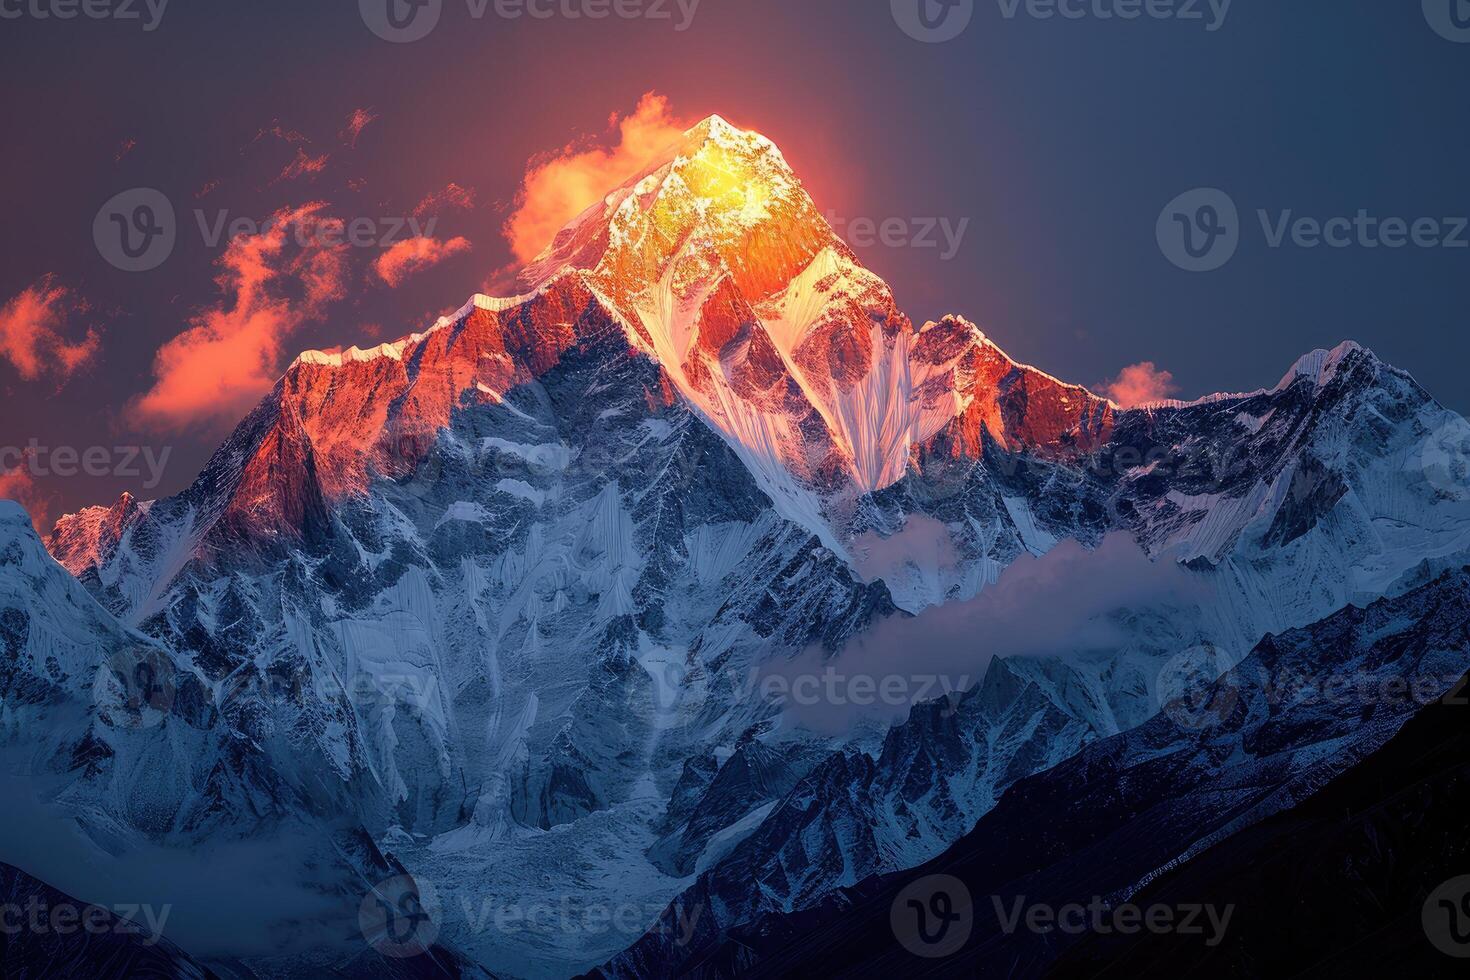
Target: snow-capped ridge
{"x": 1320, "y": 366}
{"x": 396, "y": 349}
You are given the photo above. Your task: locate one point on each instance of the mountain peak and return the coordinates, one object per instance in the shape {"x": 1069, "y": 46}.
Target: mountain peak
{"x": 1322, "y": 365}
{"x": 716, "y": 126}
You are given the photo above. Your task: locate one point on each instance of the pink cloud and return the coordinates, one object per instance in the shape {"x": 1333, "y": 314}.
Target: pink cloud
{"x": 1139, "y": 384}
{"x": 562, "y": 185}
{"x": 274, "y": 282}
{"x": 413, "y": 255}
{"x": 301, "y": 166}
{"x": 17, "y": 484}
{"x": 453, "y": 196}
{"x": 30, "y": 332}
{"x": 281, "y": 133}
{"x": 356, "y": 123}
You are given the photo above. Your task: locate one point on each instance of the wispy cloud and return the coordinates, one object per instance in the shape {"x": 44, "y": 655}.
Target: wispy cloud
{"x": 356, "y": 123}
{"x": 302, "y": 166}
{"x": 1061, "y": 604}
{"x": 413, "y": 255}
{"x": 276, "y": 130}
{"x": 273, "y": 283}
{"x": 450, "y": 198}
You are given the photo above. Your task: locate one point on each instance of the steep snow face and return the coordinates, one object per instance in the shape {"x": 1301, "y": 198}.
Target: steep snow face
{"x": 1228, "y": 753}
{"x": 130, "y": 775}
{"x": 724, "y": 271}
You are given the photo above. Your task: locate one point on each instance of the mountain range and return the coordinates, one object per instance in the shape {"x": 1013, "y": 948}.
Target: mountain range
{"x": 498, "y": 609}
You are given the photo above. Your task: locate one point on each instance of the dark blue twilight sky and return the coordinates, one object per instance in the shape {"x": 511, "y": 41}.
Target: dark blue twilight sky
{"x": 1058, "y": 139}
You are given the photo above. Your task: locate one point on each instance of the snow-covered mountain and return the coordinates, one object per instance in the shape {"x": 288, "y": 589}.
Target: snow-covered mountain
{"x": 1305, "y": 707}
{"x": 492, "y": 597}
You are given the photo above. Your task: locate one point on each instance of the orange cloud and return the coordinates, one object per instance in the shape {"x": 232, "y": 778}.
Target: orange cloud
{"x": 560, "y": 187}
{"x": 274, "y": 282}
{"x": 453, "y": 196}
{"x": 17, "y": 484}
{"x": 412, "y": 255}
{"x": 30, "y": 337}
{"x": 1139, "y": 384}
